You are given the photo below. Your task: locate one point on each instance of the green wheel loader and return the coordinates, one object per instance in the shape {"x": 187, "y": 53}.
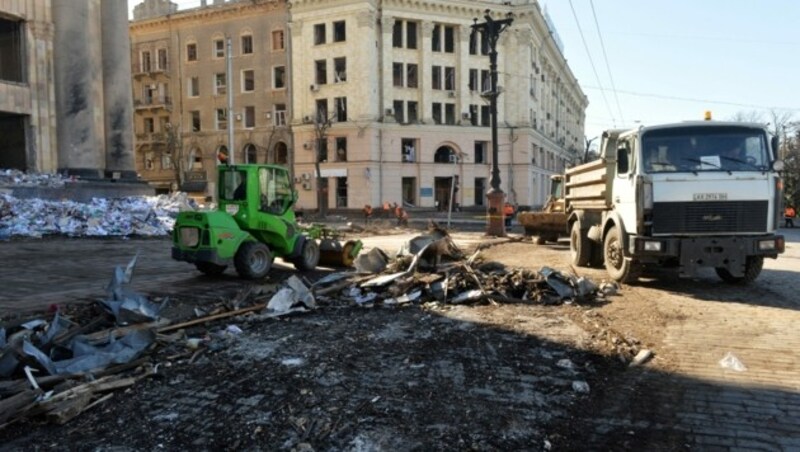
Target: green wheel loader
{"x": 253, "y": 224}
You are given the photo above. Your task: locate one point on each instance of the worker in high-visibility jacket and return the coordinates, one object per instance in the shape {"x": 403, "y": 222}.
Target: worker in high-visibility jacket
{"x": 788, "y": 214}
{"x": 508, "y": 213}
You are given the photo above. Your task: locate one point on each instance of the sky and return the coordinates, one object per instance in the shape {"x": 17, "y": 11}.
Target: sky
{"x": 667, "y": 61}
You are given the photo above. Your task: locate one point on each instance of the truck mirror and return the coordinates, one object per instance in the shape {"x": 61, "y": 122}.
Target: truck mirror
{"x": 774, "y": 143}
{"x": 622, "y": 160}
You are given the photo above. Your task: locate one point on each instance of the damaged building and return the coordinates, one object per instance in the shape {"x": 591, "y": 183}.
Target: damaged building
{"x": 65, "y": 97}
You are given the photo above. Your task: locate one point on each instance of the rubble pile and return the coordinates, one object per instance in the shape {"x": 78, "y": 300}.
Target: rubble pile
{"x": 12, "y": 177}
{"x": 140, "y": 216}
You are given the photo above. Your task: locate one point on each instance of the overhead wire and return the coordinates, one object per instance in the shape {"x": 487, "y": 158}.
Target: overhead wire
{"x": 608, "y": 66}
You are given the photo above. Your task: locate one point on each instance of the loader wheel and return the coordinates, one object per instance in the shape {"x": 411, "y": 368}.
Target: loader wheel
{"x": 309, "y": 256}
{"x": 580, "y": 249}
{"x": 253, "y": 260}
{"x": 210, "y": 268}
{"x": 618, "y": 268}
{"x": 752, "y": 268}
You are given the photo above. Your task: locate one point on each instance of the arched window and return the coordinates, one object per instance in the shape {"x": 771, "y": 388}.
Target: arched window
{"x": 197, "y": 159}
{"x": 250, "y": 153}
{"x": 281, "y": 154}
{"x": 222, "y": 155}
{"x": 444, "y": 154}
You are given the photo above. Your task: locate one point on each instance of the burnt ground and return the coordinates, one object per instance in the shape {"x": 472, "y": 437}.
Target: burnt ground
{"x": 488, "y": 377}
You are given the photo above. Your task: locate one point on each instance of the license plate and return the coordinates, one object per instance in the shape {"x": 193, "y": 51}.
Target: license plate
{"x": 710, "y": 197}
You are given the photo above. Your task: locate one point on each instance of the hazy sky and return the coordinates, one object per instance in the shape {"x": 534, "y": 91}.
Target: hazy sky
{"x": 672, "y": 60}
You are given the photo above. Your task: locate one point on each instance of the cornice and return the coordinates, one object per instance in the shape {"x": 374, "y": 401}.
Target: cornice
{"x": 211, "y": 12}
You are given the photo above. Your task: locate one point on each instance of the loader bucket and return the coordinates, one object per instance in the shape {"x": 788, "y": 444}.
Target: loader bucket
{"x": 332, "y": 253}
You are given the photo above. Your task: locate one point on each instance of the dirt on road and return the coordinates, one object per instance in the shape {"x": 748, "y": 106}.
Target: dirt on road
{"x": 485, "y": 376}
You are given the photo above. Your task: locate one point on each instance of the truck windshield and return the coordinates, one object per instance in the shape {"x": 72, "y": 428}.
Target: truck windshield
{"x": 712, "y": 148}
{"x": 233, "y": 186}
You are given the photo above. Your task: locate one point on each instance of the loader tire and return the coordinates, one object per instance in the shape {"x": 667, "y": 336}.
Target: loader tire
{"x": 580, "y": 248}
{"x": 253, "y": 260}
{"x": 309, "y": 256}
{"x": 210, "y": 269}
{"x": 752, "y": 268}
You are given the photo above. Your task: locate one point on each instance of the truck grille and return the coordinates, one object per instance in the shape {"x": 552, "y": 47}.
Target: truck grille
{"x": 710, "y": 217}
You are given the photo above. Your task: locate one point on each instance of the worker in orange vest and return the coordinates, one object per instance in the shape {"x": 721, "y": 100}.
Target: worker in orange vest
{"x": 508, "y": 212}
{"x": 789, "y": 215}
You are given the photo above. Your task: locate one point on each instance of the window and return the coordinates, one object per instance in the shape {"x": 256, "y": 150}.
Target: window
{"x": 222, "y": 118}
{"x": 486, "y": 117}
{"x": 163, "y": 123}
{"x": 275, "y": 190}
{"x": 436, "y": 77}
{"x": 279, "y": 77}
{"x": 411, "y": 75}
{"x": 484, "y": 43}
{"x": 397, "y": 34}
{"x": 341, "y": 149}
{"x": 319, "y": 34}
{"x": 248, "y": 81}
{"x": 397, "y": 74}
{"x": 480, "y": 190}
{"x": 481, "y": 148}
{"x": 473, "y": 79}
{"x": 450, "y": 114}
{"x": 219, "y": 48}
{"x": 247, "y": 44}
{"x": 341, "y": 192}
{"x": 321, "y": 72}
{"x": 162, "y": 59}
{"x": 249, "y": 117}
{"x": 191, "y": 52}
{"x": 397, "y": 106}
{"x": 146, "y": 62}
{"x": 280, "y": 115}
{"x": 413, "y": 114}
{"x": 195, "y": 126}
{"x": 220, "y": 84}
{"x": 250, "y": 153}
{"x": 12, "y": 56}
{"x": 277, "y": 40}
{"x": 449, "y": 78}
{"x": 322, "y": 110}
{"x": 408, "y": 150}
{"x": 194, "y": 86}
{"x": 473, "y": 114}
{"x": 411, "y": 35}
{"x": 449, "y": 39}
{"x": 149, "y": 126}
{"x": 339, "y": 31}
{"x": 437, "y": 112}
{"x": 341, "y": 108}
{"x": 339, "y": 70}
{"x": 149, "y": 163}
{"x": 166, "y": 161}
{"x": 473, "y": 42}
{"x": 409, "y": 188}
{"x": 436, "y": 38}
{"x": 486, "y": 82}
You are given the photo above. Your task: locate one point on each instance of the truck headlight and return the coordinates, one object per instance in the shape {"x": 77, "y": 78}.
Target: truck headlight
{"x": 767, "y": 245}
{"x": 651, "y": 245}
{"x": 190, "y": 237}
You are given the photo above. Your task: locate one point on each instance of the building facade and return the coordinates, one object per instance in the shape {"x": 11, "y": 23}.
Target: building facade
{"x": 390, "y": 96}
{"x": 180, "y": 89}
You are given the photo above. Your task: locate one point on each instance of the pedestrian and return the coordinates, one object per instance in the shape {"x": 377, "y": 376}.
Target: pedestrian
{"x": 508, "y": 213}
{"x": 788, "y": 215}
{"x": 367, "y": 214}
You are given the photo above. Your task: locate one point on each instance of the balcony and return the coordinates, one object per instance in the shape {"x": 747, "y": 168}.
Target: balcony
{"x": 140, "y": 70}
{"x": 145, "y": 138}
{"x": 153, "y": 103}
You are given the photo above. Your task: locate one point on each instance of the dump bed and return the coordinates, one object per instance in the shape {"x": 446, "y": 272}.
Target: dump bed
{"x": 588, "y": 186}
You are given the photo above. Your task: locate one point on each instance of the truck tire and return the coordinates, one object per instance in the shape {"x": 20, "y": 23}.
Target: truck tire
{"x": 253, "y": 260}
{"x": 210, "y": 269}
{"x": 309, "y": 256}
{"x": 618, "y": 268}
{"x": 580, "y": 248}
{"x": 539, "y": 240}
{"x": 752, "y": 268}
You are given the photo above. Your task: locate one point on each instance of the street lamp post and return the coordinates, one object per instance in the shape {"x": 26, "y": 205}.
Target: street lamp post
{"x": 492, "y": 29}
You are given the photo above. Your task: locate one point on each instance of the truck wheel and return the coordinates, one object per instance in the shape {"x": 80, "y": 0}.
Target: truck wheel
{"x": 752, "y": 268}
{"x": 579, "y": 246}
{"x": 253, "y": 260}
{"x": 309, "y": 256}
{"x": 618, "y": 268}
{"x": 539, "y": 240}
{"x": 210, "y": 269}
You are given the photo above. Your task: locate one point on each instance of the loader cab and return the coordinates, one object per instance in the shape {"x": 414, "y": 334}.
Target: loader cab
{"x": 249, "y": 192}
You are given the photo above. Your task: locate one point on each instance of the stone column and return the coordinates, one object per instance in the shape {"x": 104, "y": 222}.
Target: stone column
{"x": 425, "y": 74}
{"x": 117, "y": 90}
{"x": 76, "y": 67}
{"x": 387, "y": 83}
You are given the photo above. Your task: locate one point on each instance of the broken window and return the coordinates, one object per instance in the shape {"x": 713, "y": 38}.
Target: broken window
{"x": 149, "y": 125}
{"x": 247, "y": 44}
{"x": 397, "y": 107}
{"x": 220, "y": 84}
{"x": 248, "y": 81}
{"x": 449, "y": 78}
{"x": 147, "y": 63}
{"x": 411, "y": 35}
{"x": 322, "y": 110}
{"x": 486, "y": 117}
{"x": 473, "y": 42}
{"x": 339, "y": 31}
{"x": 473, "y": 79}
{"x": 341, "y": 108}
{"x": 413, "y": 114}
{"x": 319, "y": 34}
{"x": 411, "y": 75}
{"x": 339, "y": 70}
{"x": 408, "y": 149}
{"x": 277, "y": 40}
{"x": 409, "y": 189}
{"x": 480, "y": 151}
{"x": 449, "y": 39}
{"x": 484, "y": 43}
{"x": 437, "y": 112}
{"x": 397, "y": 34}
{"x": 397, "y": 74}
{"x": 341, "y": 192}
{"x": 450, "y": 114}
{"x": 341, "y": 149}
{"x": 194, "y": 86}
{"x": 162, "y": 59}
{"x": 195, "y": 126}
{"x": 279, "y": 77}
{"x": 280, "y": 115}
{"x": 436, "y": 77}
{"x": 321, "y": 72}
{"x": 436, "y": 38}
{"x": 191, "y": 52}
{"x": 249, "y": 117}
{"x": 486, "y": 82}
{"x": 473, "y": 114}
{"x": 222, "y": 118}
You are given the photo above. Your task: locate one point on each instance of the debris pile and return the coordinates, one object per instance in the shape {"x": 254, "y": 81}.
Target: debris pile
{"x": 141, "y": 216}
{"x": 431, "y": 268}
{"x": 12, "y": 177}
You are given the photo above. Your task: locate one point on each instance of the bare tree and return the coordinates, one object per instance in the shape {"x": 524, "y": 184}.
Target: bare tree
{"x": 748, "y": 116}
{"x": 323, "y": 121}
{"x": 174, "y": 149}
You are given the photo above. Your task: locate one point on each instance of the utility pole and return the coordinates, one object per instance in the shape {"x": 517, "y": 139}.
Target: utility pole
{"x": 229, "y": 82}
{"x": 492, "y": 29}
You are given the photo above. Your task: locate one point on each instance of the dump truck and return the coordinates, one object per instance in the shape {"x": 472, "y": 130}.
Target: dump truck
{"x": 254, "y": 222}
{"x": 687, "y": 195}
{"x": 550, "y": 223}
